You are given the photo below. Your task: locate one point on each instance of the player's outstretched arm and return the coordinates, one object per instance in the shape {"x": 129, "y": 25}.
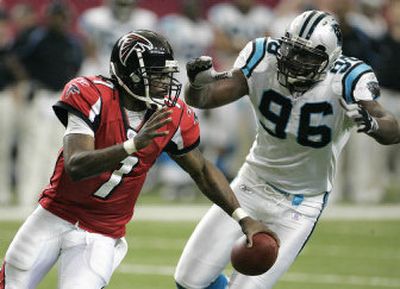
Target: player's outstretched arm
{"x": 372, "y": 119}
{"x": 82, "y": 160}
{"x": 207, "y": 88}
{"x": 215, "y": 187}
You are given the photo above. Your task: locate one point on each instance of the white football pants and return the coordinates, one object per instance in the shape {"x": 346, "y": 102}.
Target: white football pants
{"x": 86, "y": 260}
{"x": 207, "y": 252}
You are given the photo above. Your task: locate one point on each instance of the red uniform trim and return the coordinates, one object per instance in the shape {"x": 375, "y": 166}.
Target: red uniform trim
{"x": 3, "y": 276}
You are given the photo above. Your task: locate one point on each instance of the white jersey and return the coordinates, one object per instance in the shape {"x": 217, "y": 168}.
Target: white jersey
{"x": 103, "y": 29}
{"x": 299, "y": 139}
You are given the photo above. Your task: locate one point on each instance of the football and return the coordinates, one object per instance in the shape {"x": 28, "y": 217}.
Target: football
{"x": 255, "y": 260}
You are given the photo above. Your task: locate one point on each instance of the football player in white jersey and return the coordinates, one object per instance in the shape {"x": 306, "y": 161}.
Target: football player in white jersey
{"x": 307, "y": 97}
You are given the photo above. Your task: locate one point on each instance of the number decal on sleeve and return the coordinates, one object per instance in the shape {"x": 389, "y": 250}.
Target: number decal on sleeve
{"x": 343, "y": 64}
{"x": 277, "y": 109}
{"x": 273, "y": 46}
{"x": 128, "y": 164}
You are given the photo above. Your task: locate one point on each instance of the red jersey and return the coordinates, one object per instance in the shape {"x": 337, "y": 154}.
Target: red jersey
{"x": 105, "y": 203}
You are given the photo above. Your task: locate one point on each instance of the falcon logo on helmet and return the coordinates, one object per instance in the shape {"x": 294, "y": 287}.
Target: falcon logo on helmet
{"x": 132, "y": 42}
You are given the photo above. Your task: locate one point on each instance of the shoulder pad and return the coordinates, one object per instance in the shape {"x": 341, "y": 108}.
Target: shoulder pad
{"x": 82, "y": 97}
{"x": 255, "y": 53}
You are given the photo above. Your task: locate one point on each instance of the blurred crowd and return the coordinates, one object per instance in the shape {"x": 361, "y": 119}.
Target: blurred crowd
{"x": 42, "y": 49}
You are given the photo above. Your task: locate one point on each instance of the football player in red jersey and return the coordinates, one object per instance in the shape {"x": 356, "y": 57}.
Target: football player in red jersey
{"x": 115, "y": 129}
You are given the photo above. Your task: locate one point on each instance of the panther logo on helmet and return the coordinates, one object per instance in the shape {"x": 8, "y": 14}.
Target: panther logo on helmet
{"x": 133, "y": 42}
{"x": 338, "y": 33}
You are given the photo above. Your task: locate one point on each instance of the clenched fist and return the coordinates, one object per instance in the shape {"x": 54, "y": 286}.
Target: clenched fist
{"x": 201, "y": 72}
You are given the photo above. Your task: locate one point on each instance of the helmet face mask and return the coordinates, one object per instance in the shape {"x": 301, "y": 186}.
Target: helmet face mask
{"x": 300, "y": 65}
{"x": 143, "y": 65}
{"x": 164, "y": 88}
{"x": 311, "y": 45}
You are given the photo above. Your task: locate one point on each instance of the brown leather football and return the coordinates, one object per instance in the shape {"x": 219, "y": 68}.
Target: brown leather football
{"x": 255, "y": 260}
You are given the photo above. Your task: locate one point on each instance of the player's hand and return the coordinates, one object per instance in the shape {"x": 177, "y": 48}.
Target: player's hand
{"x": 364, "y": 121}
{"x": 149, "y": 131}
{"x": 250, "y": 227}
{"x": 201, "y": 72}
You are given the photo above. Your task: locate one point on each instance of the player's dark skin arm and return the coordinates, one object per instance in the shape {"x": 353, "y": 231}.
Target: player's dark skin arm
{"x": 217, "y": 93}
{"x": 389, "y": 128}
{"x": 215, "y": 187}
{"x": 82, "y": 160}
{"x": 209, "y": 179}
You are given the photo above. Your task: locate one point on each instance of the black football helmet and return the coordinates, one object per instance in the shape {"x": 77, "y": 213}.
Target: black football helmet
{"x": 141, "y": 60}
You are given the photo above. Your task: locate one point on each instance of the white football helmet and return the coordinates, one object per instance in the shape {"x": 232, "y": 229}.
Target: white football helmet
{"x": 312, "y": 43}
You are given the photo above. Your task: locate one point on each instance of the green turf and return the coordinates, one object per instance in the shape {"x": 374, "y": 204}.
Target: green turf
{"x": 340, "y": 255}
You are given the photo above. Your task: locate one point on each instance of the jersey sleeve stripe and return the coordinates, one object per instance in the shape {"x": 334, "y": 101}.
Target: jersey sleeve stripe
{"x": 61, "y": 109}
{"x": 173, "y": 149}
{"x": 177, "y": 139}
{"x": 351, "y": 78}
{"x": 255, "y": 57}
{"x": 95, "y": 110}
